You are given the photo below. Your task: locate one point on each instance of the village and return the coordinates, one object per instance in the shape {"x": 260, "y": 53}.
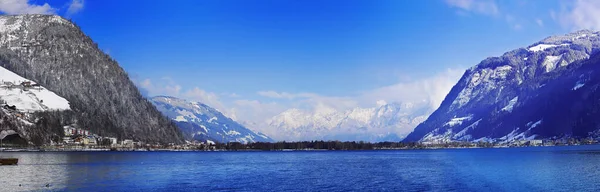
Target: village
{"x": 77, "y": 139}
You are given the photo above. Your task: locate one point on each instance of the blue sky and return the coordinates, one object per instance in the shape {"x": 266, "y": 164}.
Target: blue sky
{"x": 327, "y": 47}
{"x": 255, "y": 58}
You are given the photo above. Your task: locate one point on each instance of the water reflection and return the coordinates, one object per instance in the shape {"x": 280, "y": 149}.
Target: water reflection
{"x": 36, "y": 171}
{"x": 526, "y": 169}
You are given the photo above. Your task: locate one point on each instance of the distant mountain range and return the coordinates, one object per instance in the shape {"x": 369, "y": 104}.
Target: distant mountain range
{"x": 200, "y": 122}
{"x": 547, "y": 90}
{"x": 389, "y": 122}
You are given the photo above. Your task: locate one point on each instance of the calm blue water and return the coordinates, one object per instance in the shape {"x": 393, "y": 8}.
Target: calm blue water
{"x": 575, "y": 168}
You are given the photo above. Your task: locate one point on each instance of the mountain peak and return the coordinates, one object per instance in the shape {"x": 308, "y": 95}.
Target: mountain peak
{"x": 200, "y": 122}
{"x": 381, "y": 123}
{"x": 54, "y": 53}
{"x": 10, "y": 23}
{"x": 498, "y": 87}
{"x": 581, "y": 35}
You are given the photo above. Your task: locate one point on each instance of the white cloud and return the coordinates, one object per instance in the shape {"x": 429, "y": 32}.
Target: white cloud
{"x": 430, "y": 90}
{"x": 486, "y": 7}
{"x": 167, "y": 86}
{"x": 517, "y": 27}
{"x": 146, "y": 83}
{"x": 254, "y": 110}
{"x": 75, "y": 7}
{"x": 285, "y": 95}
{"x": 553, "y": 15}
{"x": 231, "y": 95}
{"x": 209, "y": 98}
{"x": 539, "y": 22}
{"x": 425, "y": 94}
{"x": 581, "y": 14}
{"x": 15, "y": 7}
{"x": 255, "y": 113}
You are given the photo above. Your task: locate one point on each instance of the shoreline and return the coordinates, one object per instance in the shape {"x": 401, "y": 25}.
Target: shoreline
{"x": 12, "y": 150}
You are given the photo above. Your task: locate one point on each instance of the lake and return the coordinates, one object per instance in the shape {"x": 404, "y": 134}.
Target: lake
{"x": 566, "y": 168}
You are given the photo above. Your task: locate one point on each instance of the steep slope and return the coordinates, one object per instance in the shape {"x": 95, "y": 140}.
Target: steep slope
{"x": 389, "y": 122}
{"x": 200, "y": 122}
{"x": 547, "y": 90}
{"x": 59, "y": 56}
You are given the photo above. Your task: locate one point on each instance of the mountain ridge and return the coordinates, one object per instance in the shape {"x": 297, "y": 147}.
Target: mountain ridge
{"x": 388, "y": 122}
{"x": 487, "y": 102}
{"x": 201, "y": 122}
{"x": 55, "y": 53}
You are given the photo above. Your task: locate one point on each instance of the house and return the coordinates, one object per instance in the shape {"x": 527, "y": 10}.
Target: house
{"x": 82, "y": 140}
{"x": 138, "y": 144}
{"x": 520, "y": 142}
{"x": 113, "y": 140}
{"x": 26, "y": 83}
{"x": 548, "y": 142}
{"x": 535, "y": 142}
{"x": 92, "y": 140}
{"x": 82, "y": 132}
{"x": 69, "y": 130}
{"x": 108, "y": 141}
{"x": 127, "y": 143}
{"x": 68, "y": 140}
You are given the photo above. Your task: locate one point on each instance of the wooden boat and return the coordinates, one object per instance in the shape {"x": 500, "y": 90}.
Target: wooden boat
{"x": 9, "y": 161}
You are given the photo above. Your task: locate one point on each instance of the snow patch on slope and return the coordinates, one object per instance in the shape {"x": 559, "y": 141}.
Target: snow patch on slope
{"x": 180, "y": 119}
{"x": 232, "y": 133}
{"x": 436, "y": 138}
{"x": 533, "y": 125}
{"x": 542, "y": 47}
{"x": 458, "y": 120}
{"x": 481, "y": 82}
{"x": 578, "y": 85}
{"x": 511, "y": 104}
{"x": 550, "y": 62}
{"x": 462, "y": 135}
{"x": 28, "y": 99}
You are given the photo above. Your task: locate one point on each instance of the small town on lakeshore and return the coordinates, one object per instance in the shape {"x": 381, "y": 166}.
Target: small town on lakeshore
{"x": 83, "y": 140}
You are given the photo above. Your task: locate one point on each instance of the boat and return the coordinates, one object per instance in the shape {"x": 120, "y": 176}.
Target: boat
{"x": 9, "y": 161}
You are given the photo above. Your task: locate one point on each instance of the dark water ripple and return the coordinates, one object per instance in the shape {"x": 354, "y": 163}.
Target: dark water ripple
{"x": 574, "y": 168}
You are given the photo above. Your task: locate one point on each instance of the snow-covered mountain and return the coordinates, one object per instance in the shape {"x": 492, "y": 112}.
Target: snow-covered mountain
{"x": 389, "y": 122}
{"x": 55, "y": 54}
{"x": 546, "y": 90}
{"x": 201, "y": 122}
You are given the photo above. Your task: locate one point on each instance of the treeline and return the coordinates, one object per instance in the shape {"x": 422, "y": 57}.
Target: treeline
{"x": 339, "y": 145}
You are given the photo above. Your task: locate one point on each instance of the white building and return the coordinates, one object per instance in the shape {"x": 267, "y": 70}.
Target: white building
{"x": 536, "y": 142}
{"x": 127, "y": 143}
